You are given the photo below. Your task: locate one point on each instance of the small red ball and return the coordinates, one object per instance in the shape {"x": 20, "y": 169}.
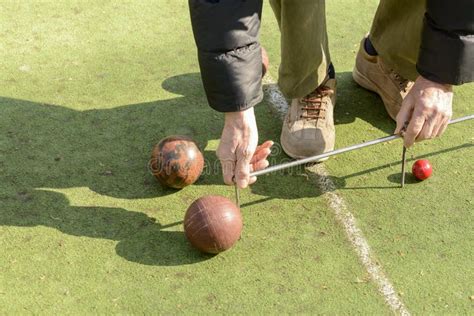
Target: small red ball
{"x": 422, "y": 169}
{"x": 213, "y": 224}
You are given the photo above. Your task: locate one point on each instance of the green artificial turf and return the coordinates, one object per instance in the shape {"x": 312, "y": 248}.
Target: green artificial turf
{"x": 86, "y": 90}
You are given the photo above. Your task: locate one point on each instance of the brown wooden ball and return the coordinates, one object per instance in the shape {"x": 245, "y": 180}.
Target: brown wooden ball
{"x": 213, "y": 224}
{"x": 176, "y": 161}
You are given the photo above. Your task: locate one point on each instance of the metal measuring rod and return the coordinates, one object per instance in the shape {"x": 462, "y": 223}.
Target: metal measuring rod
{"x": 336, "y": 152}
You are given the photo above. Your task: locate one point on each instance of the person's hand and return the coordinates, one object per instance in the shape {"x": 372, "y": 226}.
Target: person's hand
{"x": 427, "y": 108}
{"x": 238, "y": 151}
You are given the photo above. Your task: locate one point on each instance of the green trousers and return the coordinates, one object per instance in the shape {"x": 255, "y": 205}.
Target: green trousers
{"x": 395, "y": 34}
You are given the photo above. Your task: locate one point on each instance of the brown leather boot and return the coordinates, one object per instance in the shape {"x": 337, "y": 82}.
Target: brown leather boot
{"x": 308, "y": 128}
{"x": 371, "y": 73}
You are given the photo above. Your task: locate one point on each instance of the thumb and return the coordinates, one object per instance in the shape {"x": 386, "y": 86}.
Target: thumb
{"x": 405, "y": 113}
{"x": 242, "y": 168}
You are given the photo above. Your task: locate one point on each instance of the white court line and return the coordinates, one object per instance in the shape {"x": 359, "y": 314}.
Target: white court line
{"x": 343, "y": 215}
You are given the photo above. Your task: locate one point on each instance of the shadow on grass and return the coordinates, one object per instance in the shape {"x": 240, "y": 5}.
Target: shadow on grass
{"x": 107, "y": 150}
{"x": 140, "y": 238}
{"x": 340, "y": 182}
{"x": 355, "y": 102}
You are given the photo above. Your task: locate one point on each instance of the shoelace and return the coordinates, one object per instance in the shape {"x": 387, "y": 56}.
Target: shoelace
{"x": 403, "y": 83}
{"x": 314, "y": 107}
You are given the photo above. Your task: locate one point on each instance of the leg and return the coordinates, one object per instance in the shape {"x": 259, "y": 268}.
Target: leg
{"x": 396, "y": 34}
{"x": 304, "y": 45}
{"x": 308, "y": 128}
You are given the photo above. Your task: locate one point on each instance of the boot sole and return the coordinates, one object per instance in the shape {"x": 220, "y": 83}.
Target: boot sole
{"x": 366, "y": 83}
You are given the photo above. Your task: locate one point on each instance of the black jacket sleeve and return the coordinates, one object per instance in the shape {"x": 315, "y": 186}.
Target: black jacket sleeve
{"x": 229, "y": 54}
{"x": 447, "y": 44}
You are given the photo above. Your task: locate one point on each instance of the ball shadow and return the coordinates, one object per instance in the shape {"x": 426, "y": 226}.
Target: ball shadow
{"x": 152, "y": 246}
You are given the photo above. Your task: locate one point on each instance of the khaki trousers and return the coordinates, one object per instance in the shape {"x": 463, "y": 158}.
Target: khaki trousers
{"x": 395, "y": 34}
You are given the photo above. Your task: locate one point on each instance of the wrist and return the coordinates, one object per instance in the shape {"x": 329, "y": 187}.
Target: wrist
{"x": 240, "y": 115}
{"x": 444, "y": 86}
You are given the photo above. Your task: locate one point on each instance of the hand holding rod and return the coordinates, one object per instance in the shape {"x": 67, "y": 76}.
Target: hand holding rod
{"x": 339, "y": 151}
